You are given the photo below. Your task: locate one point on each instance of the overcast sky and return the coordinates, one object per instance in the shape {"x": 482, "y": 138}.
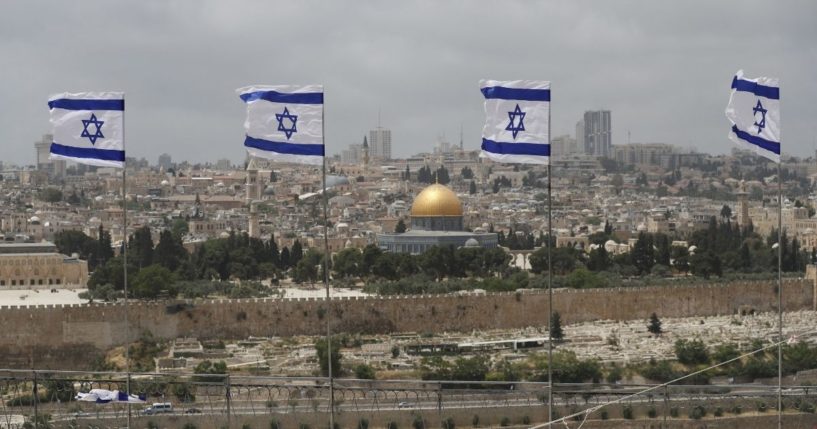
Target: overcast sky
{"x": 662, "y": 67}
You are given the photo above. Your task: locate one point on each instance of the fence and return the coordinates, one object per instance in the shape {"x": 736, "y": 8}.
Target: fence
{"x": 46, "y": 399}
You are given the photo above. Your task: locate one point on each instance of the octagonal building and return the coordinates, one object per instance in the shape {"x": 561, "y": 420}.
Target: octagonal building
{"x": 436, "y": 220}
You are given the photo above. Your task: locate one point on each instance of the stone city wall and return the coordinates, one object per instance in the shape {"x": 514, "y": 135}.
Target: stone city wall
{"x": 69, "y": 336}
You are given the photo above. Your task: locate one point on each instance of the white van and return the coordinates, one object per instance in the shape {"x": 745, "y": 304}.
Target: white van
{"x": 159, "y": 407}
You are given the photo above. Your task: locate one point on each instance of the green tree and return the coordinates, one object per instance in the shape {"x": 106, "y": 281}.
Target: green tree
{"x": 170, "y": 251}
{"x": 347, "y": 263}
{"x": 400, "y": 227}
{"x": 364, "y": 372}
{"x": 180, "y": 227}
{"x": 599, "y": 259}
{"x": 556, "y": 332}
{"x": 726, "y": 212}
{"x": 140, "y": 247}
{"x": 705, "y": 264}
{"x": 371, "y": 253}
{"x": 323, "y": 354}
{"x": 152, "y": 281}
{"x": 307, "y": 268}
{"x": 472, "y": 188}
{"x": 50, "y": 195}
{"x": 655, "y": 325}
{"x": 691, "y": 352}
{"x": 643, "y": 254}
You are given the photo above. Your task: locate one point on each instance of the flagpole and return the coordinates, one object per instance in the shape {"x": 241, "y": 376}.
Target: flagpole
{"x": 125, "y": 273}
{"x": 326, "y": 281}
{"x": 550, "y": 288}
{"x": 779, "y": 296}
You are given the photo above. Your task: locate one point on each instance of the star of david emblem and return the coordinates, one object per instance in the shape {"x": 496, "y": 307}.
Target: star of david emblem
{"x": 97, "y": 134}
{"x": 520, "y": 126}
{"x": 280, "y": 117}
{"x": 762, "y": 123}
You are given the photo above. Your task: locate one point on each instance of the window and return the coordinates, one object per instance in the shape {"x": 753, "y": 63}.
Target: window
{"x": 2, "y": 282}
{"x": 59, "y": 281}
{"x": 14, "y": 282}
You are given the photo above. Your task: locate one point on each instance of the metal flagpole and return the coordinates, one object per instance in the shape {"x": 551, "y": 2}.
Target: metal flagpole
{"x": 125, "y": 275}
{"x": 550, "y": 287}
{"x": 326, "y": 257}
{"x": 779, "y": 297}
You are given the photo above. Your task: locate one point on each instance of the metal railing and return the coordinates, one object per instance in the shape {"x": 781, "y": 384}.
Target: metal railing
{"x": 44, "y": 399}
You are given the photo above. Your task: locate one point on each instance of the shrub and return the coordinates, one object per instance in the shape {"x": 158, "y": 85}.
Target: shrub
{"x": 189, "y": 425}
{"x": 761, "y": 407}
{"x": 604, "y": 415}
{"x": 652, "y": 413}
{"x": 303, "y": 426}
{"x": 525, "y": 420}
{"x": 391, "y": 425}
{"x": 673, "y": 412}
{"x": 418, "y": 422}
{"x": 246, "y": 426}
{"x": 627, "y": 412}
{"x": 448, "y": 423}
{"x": 806, "y": 407}
{"x": 152, "y": 425}
{"x": 697, "y": 412}
{"x": 719, "y": 412}
{"x": 505, "y": 422}
{"x": 362, "y": 424}
{"x": 475, "y": 421}
{"x": 737, "y": 409}
{"x": 274, "y": 424}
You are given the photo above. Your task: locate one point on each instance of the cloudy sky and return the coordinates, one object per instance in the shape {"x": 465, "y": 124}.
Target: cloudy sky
{"x": 663, "y": 68}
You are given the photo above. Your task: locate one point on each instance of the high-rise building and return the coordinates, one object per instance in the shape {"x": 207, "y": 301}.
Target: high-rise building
{"x": 42, "y": 150}
{"x": 380, "y": 143}
{"x": 580, "y": 135}
{"x": 597, "y": 134}
{"x": 165, "y": 161}
{"x": 562, "y": 146}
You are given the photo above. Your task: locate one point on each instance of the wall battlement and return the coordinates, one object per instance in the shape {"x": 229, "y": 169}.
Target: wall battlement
{"x": 64, "y": 336}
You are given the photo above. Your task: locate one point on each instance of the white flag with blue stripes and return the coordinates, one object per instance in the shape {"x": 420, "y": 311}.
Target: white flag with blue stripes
{"x": 284, "y": 122}
{"x": 88, "y": 128}
{"x": 517, "y": 121}
{"x": 754, "y": 110}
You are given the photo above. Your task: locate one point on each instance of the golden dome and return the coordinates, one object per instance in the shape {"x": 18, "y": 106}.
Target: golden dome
{"x": 436, "y": 200}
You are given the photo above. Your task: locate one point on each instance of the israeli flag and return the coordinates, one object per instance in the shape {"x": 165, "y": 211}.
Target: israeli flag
{"x": 754, "y": 111}
{"x": 284, "y": 122}
{"x": 88, "y": 128}
{"x": 517, "y": 121}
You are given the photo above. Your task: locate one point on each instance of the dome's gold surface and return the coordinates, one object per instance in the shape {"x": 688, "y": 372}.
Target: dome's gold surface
{"x": 436, "y": 200}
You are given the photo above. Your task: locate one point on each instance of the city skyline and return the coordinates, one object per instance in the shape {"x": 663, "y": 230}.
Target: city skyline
{"x": 614, "y": 57}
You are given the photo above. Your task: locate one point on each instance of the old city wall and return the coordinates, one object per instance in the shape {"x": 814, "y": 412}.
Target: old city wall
{"x": 70, "y": 336}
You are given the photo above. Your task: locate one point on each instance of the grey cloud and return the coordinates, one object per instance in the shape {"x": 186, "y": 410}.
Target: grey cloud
{"x": 663, "y": 68}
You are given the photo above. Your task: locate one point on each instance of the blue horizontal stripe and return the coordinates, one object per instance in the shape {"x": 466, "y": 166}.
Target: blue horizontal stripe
{"x": 70, "y": 104}
{"x": 284, "y": 97}
{"x": 503, "y": 93}
{"x": 536, "y": 149}
{"x": 285, "y": 148}
{"x": 88, "y": 152}
{"x": 770, "y": 92}
{"x": 764, "y": 144}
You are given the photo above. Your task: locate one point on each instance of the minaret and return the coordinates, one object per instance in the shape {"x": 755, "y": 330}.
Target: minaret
{"x": 253, "y": 194}
{"x": 461, "y": 146}
{"x": 365, "y": 156}
{"x": 743, "y": 206}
